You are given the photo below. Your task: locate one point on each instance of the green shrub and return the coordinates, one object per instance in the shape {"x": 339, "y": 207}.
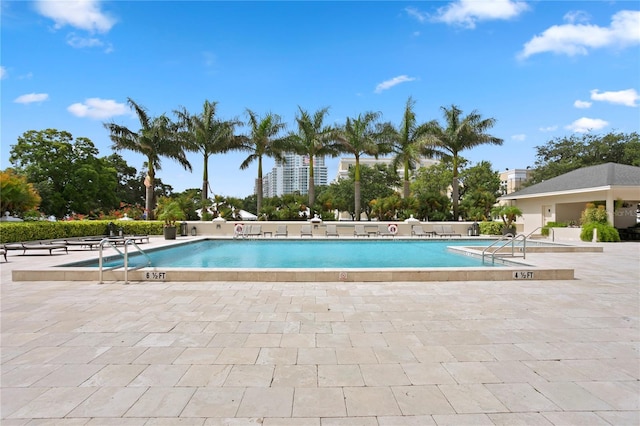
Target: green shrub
{"x": 606, "y": 232}
{"x": 491, "y": 228}
{"x": 593, "y": 213}
{"x": 549, "y": 225}
{"x": 11, "y": 232}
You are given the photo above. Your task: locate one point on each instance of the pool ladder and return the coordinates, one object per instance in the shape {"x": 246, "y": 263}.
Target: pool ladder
{"x": 125, "y": 255}
{"x": 509, "y": 239}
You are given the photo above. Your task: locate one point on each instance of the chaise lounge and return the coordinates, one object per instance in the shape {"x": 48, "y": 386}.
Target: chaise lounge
{"x": 332, "y": 231}
{"x": 306, "y": 231}
{"x": 445, "y": 231}
{"x": 418, "y": 231}
{"x": 37, "y": 246}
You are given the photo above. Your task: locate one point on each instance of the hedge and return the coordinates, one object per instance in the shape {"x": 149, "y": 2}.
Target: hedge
{"x": 606, "y": 232}
{"x": 11, "y": 232}
{"x": 491, "y": 228}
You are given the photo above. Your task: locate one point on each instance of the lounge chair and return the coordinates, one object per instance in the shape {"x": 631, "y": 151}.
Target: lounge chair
{"x": 82, "y": 243}
{"x": 37, "y": 246}
{"x": 281, "y": 231}
{"x": 359, "y": 231}
{"x": 386, "y": 231}
{"x": 332, "y": 231}
{"x": 418, "y": 231}
{"x": 306, "y": 231}
{"x": 252, "y": 231}
{"x": 445, "y": 231}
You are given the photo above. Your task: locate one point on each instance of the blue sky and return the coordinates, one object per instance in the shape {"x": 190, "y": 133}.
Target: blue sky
{"x": 542, "y": 69}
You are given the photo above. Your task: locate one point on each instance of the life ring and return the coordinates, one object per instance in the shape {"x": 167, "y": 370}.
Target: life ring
{"x": 238, "y": 228}
{"x": 393, "y": 228}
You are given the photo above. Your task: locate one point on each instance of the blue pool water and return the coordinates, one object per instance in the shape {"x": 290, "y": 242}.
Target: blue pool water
{"x": 310, "y": 254}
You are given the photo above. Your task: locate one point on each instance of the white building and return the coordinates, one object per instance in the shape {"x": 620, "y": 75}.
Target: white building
{"x": 292, "y": 176}
{"x": 512, "y": 180}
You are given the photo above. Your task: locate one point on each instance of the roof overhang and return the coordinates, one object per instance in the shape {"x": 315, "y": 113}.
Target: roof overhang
{"x": 619, "y": 191}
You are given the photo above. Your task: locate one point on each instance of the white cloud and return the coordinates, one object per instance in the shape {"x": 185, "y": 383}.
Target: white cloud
{"x": 98, "y": 109}
{"x": 79, "y": 42}
{"x": 31, "y": 98}
{"x": 582, "y": 104}
{"x": 576, "y": 39}
{"x": 392, "y": 82}
{"x": 82, "y": 14}
{"x": 584, "y": 125}
{"x": 627, "y": 97}
{"x": 3, "y": 73}
{"x": 415, "y": 13}
{"x": 467, "y": 12}
{"x": 576, "y": 16}
{"x": 520, "y": 137}
{"x": 548, "y": 129}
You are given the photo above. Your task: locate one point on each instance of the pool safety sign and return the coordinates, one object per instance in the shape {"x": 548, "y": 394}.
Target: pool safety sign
{"x": 522, "y": 275}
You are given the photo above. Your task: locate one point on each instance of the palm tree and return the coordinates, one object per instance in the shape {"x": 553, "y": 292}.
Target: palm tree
{"x": 262, "y": 141}
{"x": 408, "y": 143}
{"x": 313, "y": 139}
{"x": 157, "y": 137}
{"x": 361, "y": 135}
{"x": 207, "y": 134}
{"x": 459, "y": 133}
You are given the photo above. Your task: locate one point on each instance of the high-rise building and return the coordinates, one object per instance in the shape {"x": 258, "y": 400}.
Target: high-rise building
{"x": 292, "y": 176}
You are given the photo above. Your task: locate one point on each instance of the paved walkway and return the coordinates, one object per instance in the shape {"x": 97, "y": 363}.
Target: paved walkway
{"x": 249, "y": 353}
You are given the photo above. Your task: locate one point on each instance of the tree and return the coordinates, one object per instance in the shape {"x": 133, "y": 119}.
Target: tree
{"x": 359, "y": 136}
{"x": 208, "y": 135}
{"x": 262, "y": 141}
{"x": 480, "y": 190}
{"x": 458, "y": 134}
{"x": 158, "y": 137}
{"x": 130, "y": 188}
{"x": 65, "y": 172}
{"x": 18, "y": 195}
{"x": 381, "y": 179}
{"x": 408, "y": 144}
{"x": 430, "y": 188}
{"x": 313, "y": 139}
{"x": 562, "y": 155}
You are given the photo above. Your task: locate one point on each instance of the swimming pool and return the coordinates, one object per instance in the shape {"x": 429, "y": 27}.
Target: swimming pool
{"x": 312, "y": 254}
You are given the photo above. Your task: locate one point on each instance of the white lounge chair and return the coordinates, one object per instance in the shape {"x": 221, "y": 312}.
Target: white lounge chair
{"x": 385, "y": 231}
{"x": 444, "y": 231}
{"x": 281, "y": 231}
{"x": 252, "y": 231}
{"x": 306, "y": 231}
{"x": 418, "y": 231}
{"x": 332, "y": 231}
{"x": 359, "y": 231}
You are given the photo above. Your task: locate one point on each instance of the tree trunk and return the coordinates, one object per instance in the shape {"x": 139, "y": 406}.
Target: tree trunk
{"x": 357, "y": 188}
{"x": 312, "y": 185}
{"x": 357, "y": 200}
{"x": 149, "y": 202}
{"x": 454, "y": 196}
{"x": 455, "y": 190}
{"x": 405, "y": 194}
{"x": 259, "y": 188}
{"x": 205, "y": 179}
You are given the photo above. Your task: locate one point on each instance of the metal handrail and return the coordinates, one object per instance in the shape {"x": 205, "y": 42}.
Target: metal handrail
{"x": 512, "y": 240}
{"x": 125, "y": 255}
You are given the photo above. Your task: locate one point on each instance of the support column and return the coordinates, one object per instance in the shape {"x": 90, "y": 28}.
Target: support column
{"x": 611, "y": 208}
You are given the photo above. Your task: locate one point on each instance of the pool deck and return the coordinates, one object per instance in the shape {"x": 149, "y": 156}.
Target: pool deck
{"x": 544, "y": 352}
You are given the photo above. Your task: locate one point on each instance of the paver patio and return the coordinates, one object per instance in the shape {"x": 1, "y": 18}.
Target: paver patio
{"x": 319, "y": 354}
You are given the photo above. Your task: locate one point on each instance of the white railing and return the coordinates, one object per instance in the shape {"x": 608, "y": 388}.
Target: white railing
{"x": 113, "y": 243}
{"x": 510, "y": 240}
